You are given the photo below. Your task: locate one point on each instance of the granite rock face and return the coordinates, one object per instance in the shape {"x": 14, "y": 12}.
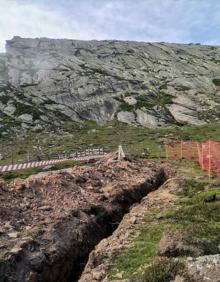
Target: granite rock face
{"x": 160, "y": 84}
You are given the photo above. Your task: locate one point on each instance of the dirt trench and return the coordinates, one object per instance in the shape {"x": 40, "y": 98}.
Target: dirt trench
{"x": 60, "y": 253}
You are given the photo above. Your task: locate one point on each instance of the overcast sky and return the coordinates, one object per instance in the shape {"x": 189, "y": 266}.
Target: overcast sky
{"x": 142, "y": 20}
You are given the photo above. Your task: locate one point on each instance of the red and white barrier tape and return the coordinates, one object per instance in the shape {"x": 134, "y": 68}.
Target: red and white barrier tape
{"x": 11, "y": 167}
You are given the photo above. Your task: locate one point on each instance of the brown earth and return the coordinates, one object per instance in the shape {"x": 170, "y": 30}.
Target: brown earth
{"x": 100, "y": 259}
{"x": 50, "y": 223}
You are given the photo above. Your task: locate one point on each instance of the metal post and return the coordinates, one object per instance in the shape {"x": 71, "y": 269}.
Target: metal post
{"x": 181, "y": 149}
{"x": 209, "y": 160}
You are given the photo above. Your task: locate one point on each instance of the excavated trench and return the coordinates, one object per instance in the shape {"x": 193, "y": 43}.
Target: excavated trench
{"x": 77, "y": 234}
{"x": 106, "y": 220}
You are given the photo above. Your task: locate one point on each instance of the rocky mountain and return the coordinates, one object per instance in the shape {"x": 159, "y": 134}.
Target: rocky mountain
{"x": 44, "y": 81}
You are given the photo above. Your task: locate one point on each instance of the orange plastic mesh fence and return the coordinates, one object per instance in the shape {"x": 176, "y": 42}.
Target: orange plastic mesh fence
{"x": 210, "y": 156}
{"x": 206, "y": 153}
{"x": 176, "y": 150}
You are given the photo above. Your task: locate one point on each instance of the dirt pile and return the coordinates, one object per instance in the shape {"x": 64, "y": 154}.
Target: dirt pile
{"x": 49, "y": 224}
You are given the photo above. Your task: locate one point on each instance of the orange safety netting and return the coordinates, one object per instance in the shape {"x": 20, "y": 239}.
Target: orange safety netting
{"x": 206, "y": 153}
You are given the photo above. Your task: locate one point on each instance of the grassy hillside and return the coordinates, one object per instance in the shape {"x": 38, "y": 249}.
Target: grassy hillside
{"x": 90, "y": 135}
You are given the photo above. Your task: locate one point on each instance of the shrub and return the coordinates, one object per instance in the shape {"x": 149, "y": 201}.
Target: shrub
{"x": 4, "y": 99}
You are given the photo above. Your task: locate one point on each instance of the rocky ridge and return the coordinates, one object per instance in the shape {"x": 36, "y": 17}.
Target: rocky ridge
{"x": 147, "y": 84}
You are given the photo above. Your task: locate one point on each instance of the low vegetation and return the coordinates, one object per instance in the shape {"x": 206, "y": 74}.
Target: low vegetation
{"x": 85, "y": 135}
{"x": 196, "y": 215}
{"x": 162, "y": 270}
{"x": 144, "y": 101}
{"x": 5, "y": 99}
{"x": 26, "y": 109}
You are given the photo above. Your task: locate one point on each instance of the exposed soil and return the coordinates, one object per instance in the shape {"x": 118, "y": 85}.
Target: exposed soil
{"x": 101, "y": 259}
{"x": 50, "y": 223}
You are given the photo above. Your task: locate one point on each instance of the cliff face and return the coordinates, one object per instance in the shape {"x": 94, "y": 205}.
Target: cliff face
{"x": 138, "y": 83}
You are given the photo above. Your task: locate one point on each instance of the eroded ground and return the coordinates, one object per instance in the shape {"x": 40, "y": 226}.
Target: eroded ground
{"x": 50, "y": 223}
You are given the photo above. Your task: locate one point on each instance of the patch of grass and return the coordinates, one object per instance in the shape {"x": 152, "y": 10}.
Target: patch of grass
{"x": 125, "y": 107}
{"x": 4, "y": 99}
{"x": 216, "y": 81}
{"x": 26, "y": 109}
{"x": 161, "y": 100}
{"x": 24, "y": 173}
{"x": 199, "y": 133}
{"x": 162, "y": 270}
{"x": 8, "y": 124}
{"x": 61, "y": 116}
{"x": 192, "y": 187}
{"x": 199, "y": 216}
{"x": 163, "y": 86}
{"x": 146, "y": 102}
{"x": 142, "y": 252}
{"x": 35, "y": 231}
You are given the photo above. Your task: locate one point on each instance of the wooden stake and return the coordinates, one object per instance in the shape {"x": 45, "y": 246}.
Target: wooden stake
{"x": 121, "y": 153}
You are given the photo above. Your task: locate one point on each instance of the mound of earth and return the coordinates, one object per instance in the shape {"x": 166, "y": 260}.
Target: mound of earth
{"x": 50, "y": 223}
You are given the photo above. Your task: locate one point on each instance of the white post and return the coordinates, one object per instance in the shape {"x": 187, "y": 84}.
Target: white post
{"x": 121, "y": 153}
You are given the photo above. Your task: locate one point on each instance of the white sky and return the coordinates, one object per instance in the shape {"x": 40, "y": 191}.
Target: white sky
{"x": 141, "y": 20}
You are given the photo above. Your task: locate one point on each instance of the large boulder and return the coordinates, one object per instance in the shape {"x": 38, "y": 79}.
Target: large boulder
{"x": 126, "y": 117}
{"x": 26, "y": 118}
{"x": 145, "y": 119}
{"x": 184, "y": 115}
